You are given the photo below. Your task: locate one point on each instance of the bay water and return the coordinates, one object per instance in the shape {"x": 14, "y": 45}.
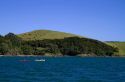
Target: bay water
{"x": 62, "y": 69}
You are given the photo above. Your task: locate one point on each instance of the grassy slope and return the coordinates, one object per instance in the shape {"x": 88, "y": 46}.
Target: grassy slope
{"x": 120, "y": 45}
{"x": 44, "y": 34}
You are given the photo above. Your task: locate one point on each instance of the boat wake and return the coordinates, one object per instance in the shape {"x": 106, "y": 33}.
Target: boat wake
{"x": 40, "y": 60}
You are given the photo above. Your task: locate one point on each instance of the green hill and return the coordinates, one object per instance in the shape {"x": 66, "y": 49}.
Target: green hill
{"x": 45, "y": 34}
{"x": 120, "y": 46}
{"x": 52, "y": 35}
{"x": 53, "y": 43}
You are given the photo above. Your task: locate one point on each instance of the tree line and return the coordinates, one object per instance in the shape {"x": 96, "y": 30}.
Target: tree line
{"x": 11, "y": 44}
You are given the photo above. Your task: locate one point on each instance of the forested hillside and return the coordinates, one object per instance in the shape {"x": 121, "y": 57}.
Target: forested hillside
{"x": 11, "y": 44}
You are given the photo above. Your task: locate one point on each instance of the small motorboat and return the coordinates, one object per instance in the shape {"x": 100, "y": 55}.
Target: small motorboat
{"x": 40, "y": 60}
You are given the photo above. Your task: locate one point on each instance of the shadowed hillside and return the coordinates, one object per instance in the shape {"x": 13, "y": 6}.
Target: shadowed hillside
{"x": 45, "y": 34}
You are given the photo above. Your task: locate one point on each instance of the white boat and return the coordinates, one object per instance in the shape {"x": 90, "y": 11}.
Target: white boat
{"x": 40, "y": 60}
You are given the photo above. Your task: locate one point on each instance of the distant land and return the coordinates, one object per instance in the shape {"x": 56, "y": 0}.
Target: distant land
{"x": 54, "y": 43}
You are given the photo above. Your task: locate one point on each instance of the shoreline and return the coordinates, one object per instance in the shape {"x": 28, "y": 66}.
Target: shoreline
{"x": 53, "y": 56}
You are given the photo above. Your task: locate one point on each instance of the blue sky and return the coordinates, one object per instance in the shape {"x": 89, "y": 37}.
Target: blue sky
{"x": 99, "y": 19}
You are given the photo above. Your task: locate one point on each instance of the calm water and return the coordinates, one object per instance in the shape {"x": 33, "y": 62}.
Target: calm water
{"x": 62, "y": 69}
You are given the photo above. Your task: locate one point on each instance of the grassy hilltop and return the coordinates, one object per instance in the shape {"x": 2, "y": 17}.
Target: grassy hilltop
{"x": 44, "y": 34}
{"x": 120, "y": 46}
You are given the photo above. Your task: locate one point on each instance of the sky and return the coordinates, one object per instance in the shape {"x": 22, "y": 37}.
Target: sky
{"x": 98, "y": 19}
